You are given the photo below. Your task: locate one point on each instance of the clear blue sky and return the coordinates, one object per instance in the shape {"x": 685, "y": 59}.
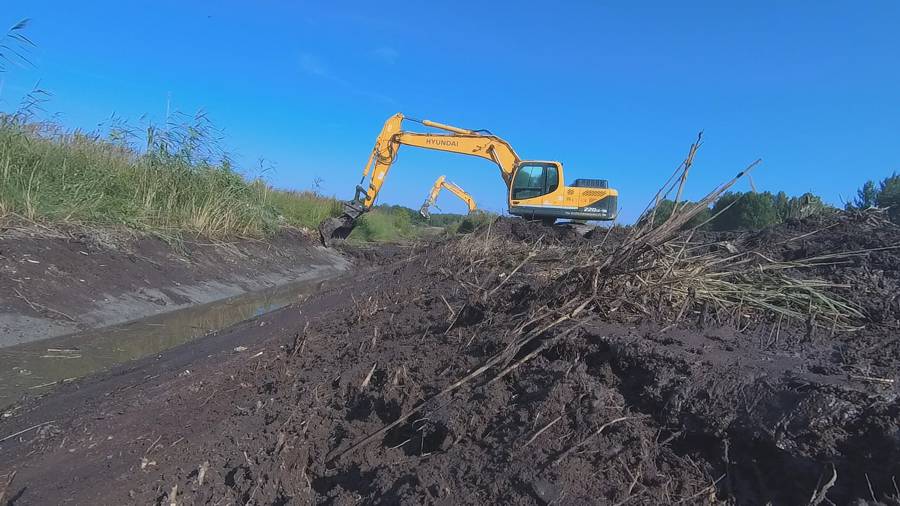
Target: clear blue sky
{"x": 613, "y": 90}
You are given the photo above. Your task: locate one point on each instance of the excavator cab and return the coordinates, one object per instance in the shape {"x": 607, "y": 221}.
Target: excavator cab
{"x": 534, "y": 179}
{"x": 537, "y": 192}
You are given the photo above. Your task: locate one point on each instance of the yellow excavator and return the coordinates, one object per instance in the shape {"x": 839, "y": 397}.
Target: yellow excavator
{"x": 535, "y": 188}
{"x": 440, "y": 184}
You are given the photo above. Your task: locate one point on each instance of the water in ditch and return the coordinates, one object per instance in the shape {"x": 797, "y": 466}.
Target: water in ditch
{"x": 38, "y": 366}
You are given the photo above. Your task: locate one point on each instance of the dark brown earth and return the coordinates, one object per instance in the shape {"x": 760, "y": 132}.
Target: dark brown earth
{"x": 64, "y": 280}
{"x": 606, "y": 403}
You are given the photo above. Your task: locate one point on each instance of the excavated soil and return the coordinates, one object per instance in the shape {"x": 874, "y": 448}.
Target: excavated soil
{"x": 388, "y": 389}
{"x": 70, "y": 279}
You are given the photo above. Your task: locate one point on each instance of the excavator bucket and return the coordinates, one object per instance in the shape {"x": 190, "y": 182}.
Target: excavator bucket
{"x": 335, "y": 228}
{"x": 339, "y": 228}
{"x": 424, "y": 210}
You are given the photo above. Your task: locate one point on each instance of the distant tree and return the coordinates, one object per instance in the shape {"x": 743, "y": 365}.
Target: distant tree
{"x": 801, "y": 207}
{"x": 662, "y": 212}
{"x": 782, "y": 204}
{"x": 885, "y": 194}
{"x": 702, "y": 218}
{"x": 889, "y": 196}
{"x": 751, "y": 210}
{"x": 404, "y": 216}
{"x": 445, "y": 219}
{"x": 745, "y": 211}
{"x": 665, "y": 208}
{"x": 865, "y": 196}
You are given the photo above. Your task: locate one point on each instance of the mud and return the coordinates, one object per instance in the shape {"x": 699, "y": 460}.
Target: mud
{"x": 62, "y": 281}
{"x": 36, "y": 368}
{"x": 394, "y": 388}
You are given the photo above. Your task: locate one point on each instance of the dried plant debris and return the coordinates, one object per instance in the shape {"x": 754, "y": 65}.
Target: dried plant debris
{"x": 532, "y": 365}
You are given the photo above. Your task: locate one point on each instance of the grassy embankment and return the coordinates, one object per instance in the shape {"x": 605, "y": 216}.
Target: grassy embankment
{"x": 176, "y": 182}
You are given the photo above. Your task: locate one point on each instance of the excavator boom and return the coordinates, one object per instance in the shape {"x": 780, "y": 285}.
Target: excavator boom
{"x": 442, "y": 183}
{"x": 457, "y": 140}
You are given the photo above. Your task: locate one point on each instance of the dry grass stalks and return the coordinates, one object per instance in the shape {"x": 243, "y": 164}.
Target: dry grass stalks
{"x": 660, "y": 272}
{"x": 657, "y": 272}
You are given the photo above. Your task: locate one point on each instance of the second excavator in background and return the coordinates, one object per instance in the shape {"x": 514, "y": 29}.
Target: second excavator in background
{"x": 535, "y": 188}
{"x": 440, "y": 184}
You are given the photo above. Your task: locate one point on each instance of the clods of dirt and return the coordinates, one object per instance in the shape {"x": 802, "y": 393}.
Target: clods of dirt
{"x": 491, "y": 371}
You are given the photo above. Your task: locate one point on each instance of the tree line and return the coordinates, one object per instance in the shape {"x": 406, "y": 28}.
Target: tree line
{"x": 756, "y": 210}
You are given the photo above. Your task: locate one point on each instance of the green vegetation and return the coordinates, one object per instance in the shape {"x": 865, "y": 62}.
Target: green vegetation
{"x": 178, "y": 182}
{"x": 665, "y": 208}
{"x": 750, "y": 210}
{"x": 173, "y": 179}
{"x": 445, "y": 220}
{"x": 385, "y": 224}
{"x": 885, "y": 194}
{"x": 177, "y": 179}
{"x": 391, "y": 223}
{"x": 471, "y": 222}
{"x": 303, "y": 208}
{"x": 746, "y": 210}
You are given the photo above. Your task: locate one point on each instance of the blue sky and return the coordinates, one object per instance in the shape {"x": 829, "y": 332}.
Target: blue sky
{"x": 612, "y": 90}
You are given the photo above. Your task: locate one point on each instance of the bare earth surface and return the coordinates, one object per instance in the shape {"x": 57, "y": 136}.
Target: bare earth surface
{"x": 64, "y": 281}
{"x": 397, "y": 387}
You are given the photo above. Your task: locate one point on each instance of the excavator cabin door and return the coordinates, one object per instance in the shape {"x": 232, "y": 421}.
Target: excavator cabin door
{"x": 534, "y": 180}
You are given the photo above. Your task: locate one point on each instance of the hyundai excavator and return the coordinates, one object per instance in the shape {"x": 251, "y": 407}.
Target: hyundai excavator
{"x": 440, "y": 184}
{"x": 535, "y": 189}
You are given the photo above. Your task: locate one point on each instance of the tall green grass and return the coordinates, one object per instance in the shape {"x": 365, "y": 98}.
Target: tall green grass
{"x": 303, "y": 208}
{"x": 472, "y": 222}
{"x": 385, "y": 224}
{"x": 178, "y": 180}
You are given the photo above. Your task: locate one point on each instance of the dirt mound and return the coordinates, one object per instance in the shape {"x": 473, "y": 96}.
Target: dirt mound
{"x": 378, "y": 255}
{"x": 856, "y": 249}
{"x": 518, "y": 229}
{"x": 488, "y": 369}
{"x": 563, "y": 233}
{"x": 66, "y": 279}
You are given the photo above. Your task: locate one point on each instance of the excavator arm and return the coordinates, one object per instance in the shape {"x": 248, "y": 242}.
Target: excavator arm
{"x": 457, "y": 140}
{"x": 442, "y": 183}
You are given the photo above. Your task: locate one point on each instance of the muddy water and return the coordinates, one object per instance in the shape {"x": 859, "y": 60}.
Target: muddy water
{"x": 37, "y": 367}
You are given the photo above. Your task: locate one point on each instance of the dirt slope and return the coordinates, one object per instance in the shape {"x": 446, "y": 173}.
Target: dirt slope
{"x": 395, "y": 388}
{"x": 56, "y": 282}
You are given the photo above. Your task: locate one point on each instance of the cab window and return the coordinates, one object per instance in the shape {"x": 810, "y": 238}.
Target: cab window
{"x": 535, "y": 180}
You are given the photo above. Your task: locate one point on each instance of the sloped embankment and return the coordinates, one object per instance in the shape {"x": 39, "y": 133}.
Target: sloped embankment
{"x": 521, "y": 365}
{"x": 55, "y": 282}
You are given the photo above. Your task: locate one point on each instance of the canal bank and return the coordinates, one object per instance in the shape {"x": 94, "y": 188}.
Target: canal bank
{"x": 73, "y": 281}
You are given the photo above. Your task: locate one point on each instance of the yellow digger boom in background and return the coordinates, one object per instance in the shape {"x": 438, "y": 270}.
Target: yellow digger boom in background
{"x": 442, "y": 183}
